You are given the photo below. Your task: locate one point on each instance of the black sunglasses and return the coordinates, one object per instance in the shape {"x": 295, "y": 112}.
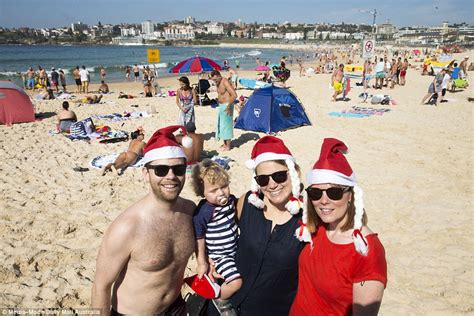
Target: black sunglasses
{"x": 162, "y": 170}
{"x": 333, "y": 193}
{"x": 279, "y": 177}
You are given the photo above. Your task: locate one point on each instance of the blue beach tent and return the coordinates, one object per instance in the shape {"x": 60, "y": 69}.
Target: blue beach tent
{"x": 270, "y": 110}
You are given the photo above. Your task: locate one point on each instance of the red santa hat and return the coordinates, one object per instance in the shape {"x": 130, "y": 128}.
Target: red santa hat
{"x": 332, "y": 167}
{"x": 163, "y": 144}
{"x": 271, "y": 148}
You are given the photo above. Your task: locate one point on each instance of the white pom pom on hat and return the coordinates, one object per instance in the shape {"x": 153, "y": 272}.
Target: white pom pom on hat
{"x": 332, "y": 167}
{"x": 163, "y": 144}
{"x": 270, "y": 148}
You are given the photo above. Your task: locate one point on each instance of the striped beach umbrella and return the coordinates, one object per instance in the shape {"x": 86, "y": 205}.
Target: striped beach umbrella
{"x": 195, "y": 65}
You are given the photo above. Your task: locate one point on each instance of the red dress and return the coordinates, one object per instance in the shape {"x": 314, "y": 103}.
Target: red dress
{"x": 327, "y": 273}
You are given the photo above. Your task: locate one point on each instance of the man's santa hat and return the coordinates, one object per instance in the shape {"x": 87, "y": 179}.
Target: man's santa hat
{"x": 332, "y": 167}
{"x": 163, "y": 144}
{"x": 271, "y": 148}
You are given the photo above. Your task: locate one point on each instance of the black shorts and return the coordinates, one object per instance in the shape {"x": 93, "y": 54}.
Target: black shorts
{"x": 78, "y": 81}
{"x": 137, "y": 74}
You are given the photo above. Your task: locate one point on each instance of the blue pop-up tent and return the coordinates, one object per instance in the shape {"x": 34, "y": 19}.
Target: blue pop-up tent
{"x": 270, "y": 110}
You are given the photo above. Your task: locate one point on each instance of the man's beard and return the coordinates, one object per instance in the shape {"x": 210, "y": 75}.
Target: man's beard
{"x": 164, "y": 196}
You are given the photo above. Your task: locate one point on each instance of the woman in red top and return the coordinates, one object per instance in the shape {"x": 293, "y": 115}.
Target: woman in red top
{"x": 342, "y": 271}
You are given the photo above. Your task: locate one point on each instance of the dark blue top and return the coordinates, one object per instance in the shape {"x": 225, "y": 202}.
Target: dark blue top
{"x": 203, "y": 215}
{"x": 268, "y": 263}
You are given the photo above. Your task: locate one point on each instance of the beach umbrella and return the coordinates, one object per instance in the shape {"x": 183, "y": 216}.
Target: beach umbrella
{"x": 262, "y": 68}
{"x": 195, "y": 65}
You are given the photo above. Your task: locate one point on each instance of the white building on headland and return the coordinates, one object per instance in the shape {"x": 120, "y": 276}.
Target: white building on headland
{"x": 78, "y": 27}
{"x": 215, "y": 28}
{"x": 179, "y": 32}
{"x": 130, "y": 31}
{"x": 294, "y": 36}
{"x": 239, "y": 23}
{"x": 148, "y": 27}
{"x": 189, "y": 20}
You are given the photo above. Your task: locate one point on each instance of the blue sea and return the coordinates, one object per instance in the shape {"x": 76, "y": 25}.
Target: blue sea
{"x": 15, "y": 59}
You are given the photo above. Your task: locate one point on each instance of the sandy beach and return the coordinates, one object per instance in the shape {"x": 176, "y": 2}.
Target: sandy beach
{"x": 414, "y": 163}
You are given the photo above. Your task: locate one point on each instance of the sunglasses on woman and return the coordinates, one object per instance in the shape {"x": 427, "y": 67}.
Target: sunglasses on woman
{"x": 279, "y": 177}
{"x": 162, "y": 170}
{"x": 333, "y": 193}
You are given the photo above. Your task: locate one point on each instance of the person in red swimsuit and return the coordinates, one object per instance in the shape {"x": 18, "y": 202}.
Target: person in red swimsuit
{"x": 342, "y": 271}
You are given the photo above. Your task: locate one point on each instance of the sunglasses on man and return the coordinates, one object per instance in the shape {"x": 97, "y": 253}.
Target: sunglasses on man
{"x": 279, "y": 177}
{"x": 162, "y": 170}
{"x": 333, "y": 193}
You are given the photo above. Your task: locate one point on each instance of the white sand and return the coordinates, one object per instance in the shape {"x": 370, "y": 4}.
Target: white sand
{"x": 414, "y": 163}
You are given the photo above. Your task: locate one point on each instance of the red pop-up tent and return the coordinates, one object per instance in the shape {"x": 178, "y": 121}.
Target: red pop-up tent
{"x": 15, "y": 105}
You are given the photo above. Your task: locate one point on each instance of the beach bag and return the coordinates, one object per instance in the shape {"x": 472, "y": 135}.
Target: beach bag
{"x": 88, "y": 125}
{"x": 82, "y": 128}
{"x": 376, "y": 99}
{"x": 78, "y": 129}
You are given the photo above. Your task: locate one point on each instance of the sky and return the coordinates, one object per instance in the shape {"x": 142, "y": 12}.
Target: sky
{"x": 58, "y": 13}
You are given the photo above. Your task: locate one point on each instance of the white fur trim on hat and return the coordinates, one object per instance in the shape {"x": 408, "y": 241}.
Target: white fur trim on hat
{"x": 254, "y": 198}
{"x": 272, "y": 156}
{"x": 294, "y": 204}
{"x": 360, "y": 243}
{"x": 321, "y": 176}
{"x": 302, "y": 233}
{"x": 167, "y": 152}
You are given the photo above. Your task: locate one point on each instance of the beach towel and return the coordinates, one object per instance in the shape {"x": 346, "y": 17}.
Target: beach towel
{"x": 117, "y": 117}
{"x": 101, "y": 161}
{"x": 345, "y": 114}
{"x": 225, "y": 123}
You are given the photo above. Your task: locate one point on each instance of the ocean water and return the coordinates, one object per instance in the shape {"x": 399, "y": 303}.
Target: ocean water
{"x": 15, "y": 59}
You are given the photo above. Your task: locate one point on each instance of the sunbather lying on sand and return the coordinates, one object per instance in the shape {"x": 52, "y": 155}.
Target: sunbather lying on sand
{"x": 129, "y": 157}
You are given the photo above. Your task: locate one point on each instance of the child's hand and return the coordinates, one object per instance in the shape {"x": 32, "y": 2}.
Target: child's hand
{"x": 202, "y": 269}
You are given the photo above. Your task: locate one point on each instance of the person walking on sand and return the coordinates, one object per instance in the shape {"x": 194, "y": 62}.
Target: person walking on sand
{"x": 226, "y": 97}
{"x": 136, "y": 72}
{"x": 103, "y": 73}
{"x": 77, "y": 79}
{"x": 186, "y": 97}
{"x": 84, "y": 73}
{"x": 144, "y": 253}
{"x": 336, "y": 80}
{"x": 62, "y": 79}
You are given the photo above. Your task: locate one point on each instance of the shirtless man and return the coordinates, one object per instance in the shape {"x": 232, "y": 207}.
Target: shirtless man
{"x": 336, "y": 80}
{"x": 145, "y": 250}
{"x": 136, "y": 72}
{"x": 129, "y": 157}
{"x": 463, "y": 68}
{"x": 226, "y": 96}
{"x": 42, "y": 77}
{"x": 30, "y": 79}
{"x": 193, "y": 153}
{"x": 77, "y": 79}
